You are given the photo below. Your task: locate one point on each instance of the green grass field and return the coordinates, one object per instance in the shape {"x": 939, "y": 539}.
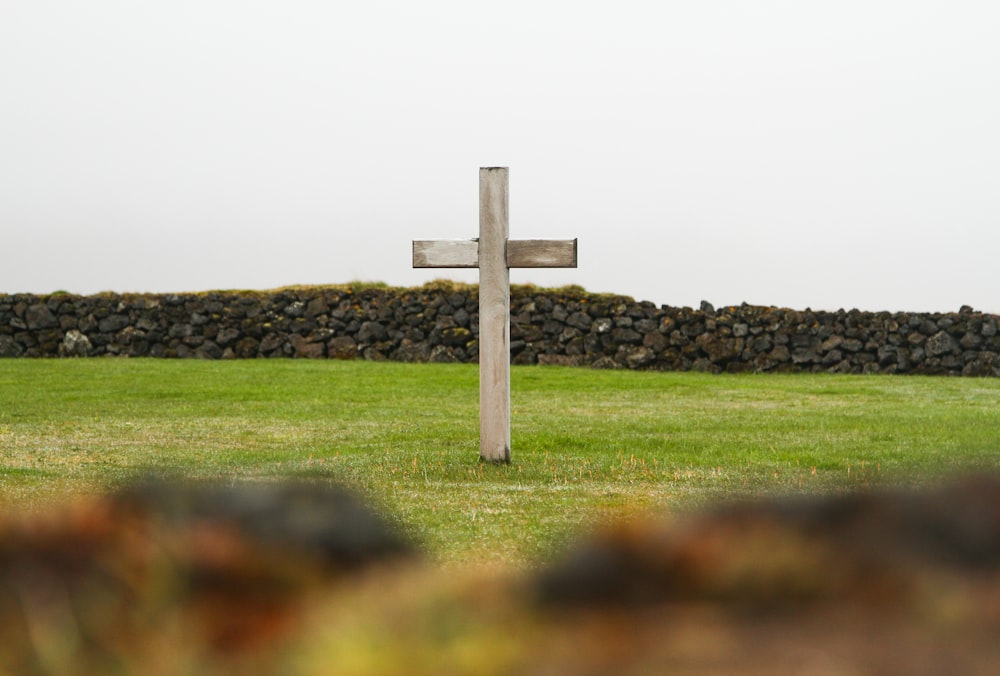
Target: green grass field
{"x": 587, "y": 445}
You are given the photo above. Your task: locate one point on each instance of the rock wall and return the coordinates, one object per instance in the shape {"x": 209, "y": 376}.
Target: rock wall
{"x": 439, "y": 323}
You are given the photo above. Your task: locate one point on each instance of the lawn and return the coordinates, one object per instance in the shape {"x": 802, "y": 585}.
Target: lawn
{"x": 587, "y": 445}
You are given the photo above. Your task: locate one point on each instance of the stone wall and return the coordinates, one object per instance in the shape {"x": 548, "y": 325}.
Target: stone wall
{"x": 439, "y": 323}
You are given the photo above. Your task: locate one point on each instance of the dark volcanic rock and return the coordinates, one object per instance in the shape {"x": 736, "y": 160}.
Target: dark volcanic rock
{"x": 39, "y": 316}
{"x": 10, "y": 347}
{"x": 940, "y": 343}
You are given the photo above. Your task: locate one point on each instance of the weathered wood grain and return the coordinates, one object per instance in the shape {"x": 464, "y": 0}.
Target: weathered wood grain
{"x": 541, "y": 253}
{"x": 494, "y": 317}
{"x": 446, "y": 253}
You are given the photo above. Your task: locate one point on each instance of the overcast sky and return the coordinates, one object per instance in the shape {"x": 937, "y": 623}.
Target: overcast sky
{"x": 800, "y": 154}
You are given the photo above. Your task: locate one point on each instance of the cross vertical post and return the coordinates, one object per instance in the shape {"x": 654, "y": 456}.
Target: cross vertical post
{"x": 494, "y": 254}
{"x": 494, "y": 316}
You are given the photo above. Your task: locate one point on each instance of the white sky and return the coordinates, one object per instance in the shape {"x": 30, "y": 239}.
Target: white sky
{"x": 801, "y": 154}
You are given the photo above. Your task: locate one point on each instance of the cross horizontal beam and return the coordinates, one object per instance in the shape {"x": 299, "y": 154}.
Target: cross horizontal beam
{"x": 541, "y": 253}
{"x": 446, "y": 253}
{"x": 521, "y": 253}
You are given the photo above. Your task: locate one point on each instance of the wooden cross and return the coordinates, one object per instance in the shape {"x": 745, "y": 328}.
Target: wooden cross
{"x": 494, "y": 255}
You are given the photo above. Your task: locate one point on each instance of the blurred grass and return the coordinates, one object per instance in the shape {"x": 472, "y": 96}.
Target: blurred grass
{"x": 587, "y": 445}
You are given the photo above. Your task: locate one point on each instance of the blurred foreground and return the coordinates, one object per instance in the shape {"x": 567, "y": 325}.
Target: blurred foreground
{"x": 302, "y": 578}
